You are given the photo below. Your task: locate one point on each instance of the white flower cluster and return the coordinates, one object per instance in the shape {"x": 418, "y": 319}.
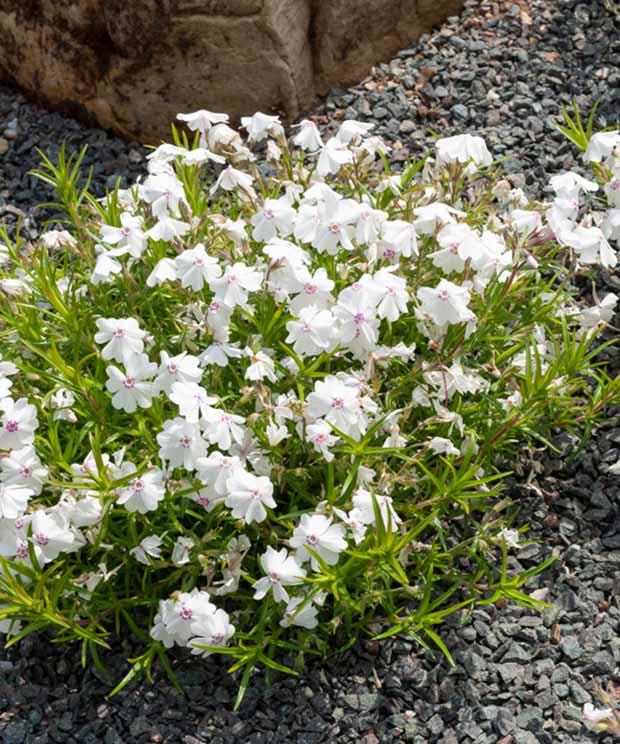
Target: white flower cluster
{"x": 270, "y": 286}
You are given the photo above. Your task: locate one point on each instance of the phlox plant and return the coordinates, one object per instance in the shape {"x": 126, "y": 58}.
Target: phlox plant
{"x": 264, "y": 402}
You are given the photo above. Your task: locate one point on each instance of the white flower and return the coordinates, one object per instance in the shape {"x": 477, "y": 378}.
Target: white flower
{"x": 50, "y": 536}
{"x": 355, "y": 521}
{"x": 181, "y": 550}
{"x": 463, "y": 148}
{"x": 164, "y": 192}
{"x": 223, "y": 428}
{"x": 312, "y": 333}
{"x": 316, "y": 531}
{"x": 334, "y": 154}
{"x": 14, "y": 499}
{"x": 261, "y": 367}
{"x": 308, "y": 288}
{"x": 443, "y": 446}
{"x": 276, "y": 217}
{"x": 165, "y": 270}
{"x": 202, "y": 120}
{"x": 216, "y": 469}
{"x": 82, "y": 512}
{"x": 234, "y": 285}
{"x": 17, "y": 424}
{"x": 132, "y": 388}
{"x": 181, "y": 443}
{"x": 106, "y": 266}
{"x": 364, "y": 509}
{"x": 180, "y": 368}
{"x": 511, "y": 537}
{"x": 446, "y": 303}
{"x": 358, "y": 325}
{"x": 338, "y": 403}
{"x": 336, "y": 225}
{"x": 304, "y": 618}
{"x": 173, "y": 623}
{"x": 122, "y": 336}
{"x": 148, "y": 546}
{"x": 434, "y": 216}
{"x": 219, "y": 353}
{"x": 275, "y": 434}
{"x": 212, "y": 629}
{"x": 308, "y": 137}
{"x": 591, "y": 246}
{"x": 22, "y": 467}
{"x": 322, "y": 438}
{"x": 60, "y": 402}
{"x": 602, "y": 145}
{"x": 261, "y": 125}
{"x": 195, "y": 268}
{"x": 591, "y": 715}
{"x": 231, "y": 179}
{"x": 282, "y": 570}
{"x": 602, "y": 312}
{"x": 192, "y": 399}
{"x": 143, "y": 493}
{"x": 353, "y": 130}
{"x": 570, "y": 184}
{"x": 248, "y": 495}
{"x": 128, "y": 238}
{"x": 167, "y": 228}
{"x": 394, "y": 297}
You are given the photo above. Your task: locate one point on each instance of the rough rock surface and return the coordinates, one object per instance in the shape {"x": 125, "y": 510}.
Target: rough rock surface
{"x": 132, "y": 66}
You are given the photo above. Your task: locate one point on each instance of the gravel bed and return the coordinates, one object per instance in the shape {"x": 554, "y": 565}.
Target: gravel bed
{"x": 500, "y": 70}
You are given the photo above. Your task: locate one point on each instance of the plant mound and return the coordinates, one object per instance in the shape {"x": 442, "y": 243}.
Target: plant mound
{"x": 261, "y": 402}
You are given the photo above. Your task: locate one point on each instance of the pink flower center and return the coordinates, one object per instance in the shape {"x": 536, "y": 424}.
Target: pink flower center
{"x": 199, "y": 262}
{"x": 389, "y": 253}
{"x": 310, "y": 288}
{"x": 359, "y": 318}
{"x": 119, "y": 332}
{"x": 185, "y": 613}
{"x": 41, "y": 538}
{"x": 306, "y": 328}
{"x": 312, "y": 539}
{"x": 172, "y": 368}
{"x": 25, "y": 471}
{"x": 11, "y": 426}
{"x": 217, "y": 639}
{"x": 185, "y": 441}
{"x": 320, "y": 438}
{"x": 338, "y": 403}
{"x": 274, "y": 576}
{"x": 255, "y": 493}
{"x": 203, "y": 501}
{"x": 454, "y": 248}
{"x": 214, "y": 306}
{"x": 125, "y": 231}
{"x": 22, "y": 551}
{"x": 615, "y": 184}
{"x": 138, "y": 485}
{"x": 334, "y": 228}
{"x": 268, "y": 214}
{"x": 443, "y": 294}
{"x": 129, "y": 382}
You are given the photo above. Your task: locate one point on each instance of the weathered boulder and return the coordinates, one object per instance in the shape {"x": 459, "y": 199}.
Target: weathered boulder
{"x": 132, "y": 65}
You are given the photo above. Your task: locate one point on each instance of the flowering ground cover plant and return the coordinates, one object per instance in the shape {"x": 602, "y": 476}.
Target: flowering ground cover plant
{"x": 264, "y": 401}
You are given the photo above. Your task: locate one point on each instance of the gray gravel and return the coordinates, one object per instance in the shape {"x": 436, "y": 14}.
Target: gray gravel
{"x": 520, "y": 677}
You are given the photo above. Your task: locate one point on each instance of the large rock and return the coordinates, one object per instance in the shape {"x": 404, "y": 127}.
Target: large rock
{"x": 134, "y": 64}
